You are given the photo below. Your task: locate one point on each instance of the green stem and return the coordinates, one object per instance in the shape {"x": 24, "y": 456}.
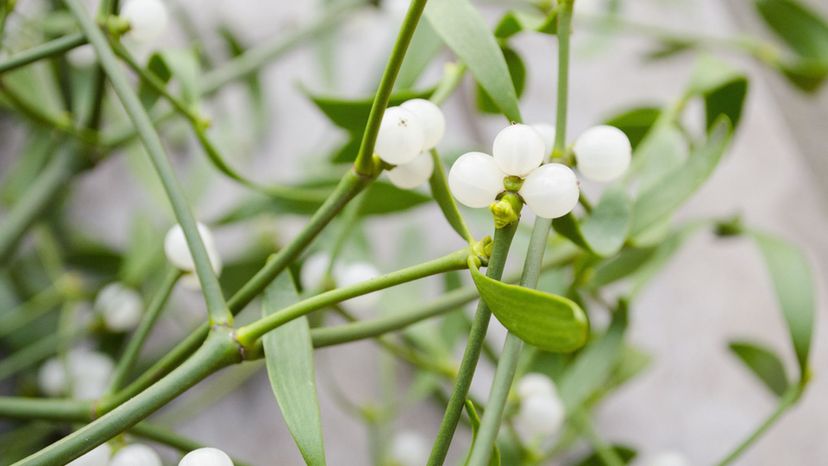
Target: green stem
{"x": 216, "y": 306}
{"x": 29, "y": 311}
{"x": 505, "y": 372}
{"x": 365, "y": 158}
{"x": 136, "y": 342}
{"x": 454, "y": 408}
{"x": 789, "y": 398}
{"x": 220, "y": 350}
{"x": 64, "y": 125}
{"x": 249, "y": 334}
{"x": 48, "y": 409}
{"x": 39, "y": 52}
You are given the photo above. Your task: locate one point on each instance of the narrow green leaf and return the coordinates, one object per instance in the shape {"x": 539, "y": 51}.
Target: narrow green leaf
{"x": 425, "y": 45}
{"x": 550, "y": 322}
{"x": 444, "y": 199}
{"x": 602, "y": 232}
{"x": 728, "y": 100}
{"x": 662, "y": 151}
{"x": 763, "y": 363}
{"x": 464, "y": 30}
{"x": 351, "y": 114}
{"x": 185, "y": 67}
{"x": 157, "y": 66}
{"x": 675, "y": 188}
{"x": 517, "y": 72}
{"x": 801, "y": 28}
{"x": 289, "y": 356}
{"x": 794, "y": 287}
{"x": 624, "y": 452}
{"x": 593, "y": 366}
{"x": 143, "y": 252}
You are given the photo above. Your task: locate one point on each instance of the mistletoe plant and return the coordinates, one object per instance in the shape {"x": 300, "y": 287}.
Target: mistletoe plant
{"x": 81, "y": 389}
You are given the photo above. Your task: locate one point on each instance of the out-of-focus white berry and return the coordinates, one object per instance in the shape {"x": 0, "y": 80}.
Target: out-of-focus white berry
{"x": 401, "y": 136}
{"x": 51, "y": 377}
{"x": 518, "y": 149}
{"x": 603, "y": 153}
{"x": 82, "y": 56}
{"x": 206, "y": 457}
{"x": 352, "y": 274}
{"x": 178, "y": 252}
{"x": 539, "y": 418}
{"x": 147, "y": 19}
{"x": 136, "y": 455}
{"x": 535, "y": 384}
{"x": 666, "y": 458}
{"x": 414, "y": 173}
{"x": 98, "y": 456}
{"x": 88, "y": 371}
{"x": 121, "y": 307}
{"x": 551, "y": 191}
{"x": 475, "y": 179}
{"x": 409, "y": 449}
{"x": 547, "y": 134}
{"x": 313, "y": 270}
{"x": 432, "y": 119}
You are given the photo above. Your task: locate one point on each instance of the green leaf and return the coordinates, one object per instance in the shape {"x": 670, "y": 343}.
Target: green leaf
{"x": 464, "y": 30}
{"x": 439, "y": 190}
{"x": 723, "y": 88}
{"x": 289, "y": 355}
{"x": 383, "y": 198}
{"x": 675, "y": 188}
{"x": 550, "y": 322}
{"x": 593, "y": 366}
{"x": 253, "y": 81}
{"x": 474, "y": 420}
{"x": 425, "y": 45}
{"x": 352, "y": 114}
{"x": 624, "y": 452}
{"x": 517, "y": 21}
{"x": 185, "y": 67}
{"x": 764, "y": 364}
{"x": 603, "y": 232}
{"x": 517, "y": 72}
{"x": 802, "y": 29}
{"x": 795, "y": 292}
{"x": 143, "y": 252}
{"x": 662, "y": 151}
{"x": 635, "y": 123}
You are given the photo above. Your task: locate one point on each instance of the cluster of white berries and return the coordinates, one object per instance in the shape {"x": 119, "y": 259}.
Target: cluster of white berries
{"x": 550, "y": 190}
{"x": 179, "y": 255}
{"x": 408, "y": 449}
{"x": 541, "y": 413}
{"x": 120, "y": 307}
{"x": 84, "y": 374}
{"x": 343, "y": 274}
{"x": 147, "y": 19}
{"x": 138, "y": 454}
{"x": 406, "y": 135}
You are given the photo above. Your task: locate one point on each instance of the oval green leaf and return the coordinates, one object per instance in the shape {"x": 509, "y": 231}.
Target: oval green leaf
{"x": 794, "y": 287}
{"x": 464, "y": 30}
{"x": 289, "y": 356}
{"x": 763, "y": 363}
{"x": 550, "y": 322}
{"x": 603, "y": 232}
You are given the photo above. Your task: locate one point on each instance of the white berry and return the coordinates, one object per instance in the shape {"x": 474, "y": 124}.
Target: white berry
{"x": 534, "y": 384}
{"x": 206, "y": 457}
{"x": 518, "y": 149}
{"x": 136, "y": 455}
{"x": 314, "y": 269}
{"x": 51, "y": 377}
{"x": 432, "y": 119}
{"x": 147, "y": 19}
{"x": 667, "y": 458}
{"x": 352, "y": 274}
{"x": 120, "y": 306}
{"x": 603, "y": 153}
{"x": 551, "y": 191}
{"x": 178, "y": 252}
{"x": 401, "y": 136}
{"x": 89, "y": 372}
{"x": 414, "y": 173}
{"x": 547, "y": 134}
{"x": 475, "y": 180}
{"x": 539, "y": 418}
{"x": 82, "y": 56}
{"x": 409, "y": 449}
{"x": 98, "y": 456}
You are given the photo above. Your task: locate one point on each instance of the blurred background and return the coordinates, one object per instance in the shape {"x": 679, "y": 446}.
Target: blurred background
{"x": 694, "y": 398}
